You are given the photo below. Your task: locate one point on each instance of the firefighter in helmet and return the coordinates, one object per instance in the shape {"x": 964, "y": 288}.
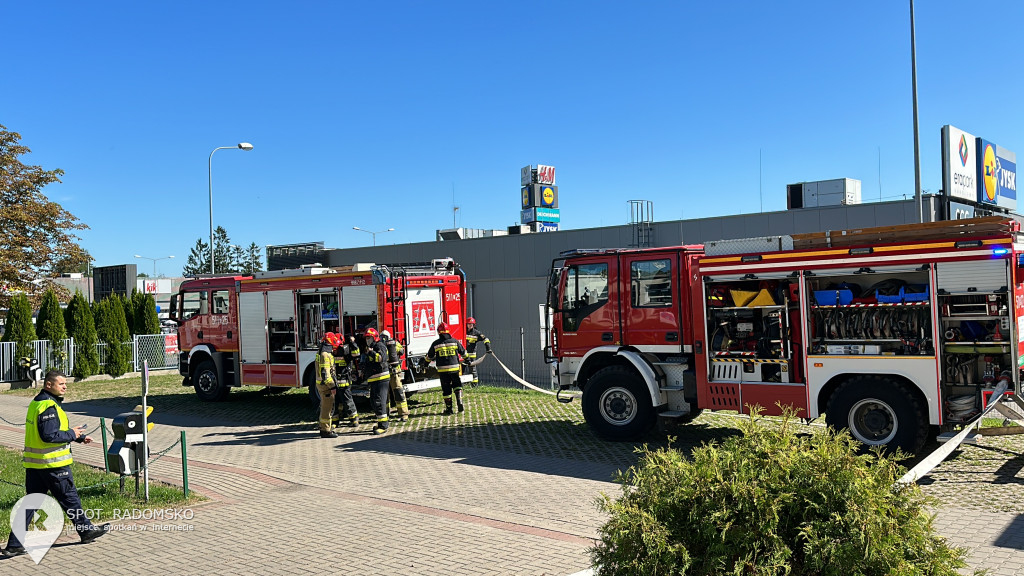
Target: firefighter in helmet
{"x": 445, "y": 353}
{"x": 377, "y": 372}
{"x": 326, "y": 383}
{"x": 474, "y": 337}
{"x": 345, "y": 356}
{"x": 395, "y": 352}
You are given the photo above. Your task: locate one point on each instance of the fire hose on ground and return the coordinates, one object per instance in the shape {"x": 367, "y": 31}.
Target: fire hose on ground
{"x": 517, "y": 378}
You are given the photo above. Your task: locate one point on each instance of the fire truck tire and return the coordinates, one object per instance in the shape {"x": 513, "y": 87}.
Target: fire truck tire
{"x": 208, "y": 386}
{"x": 617, "y": 405}
{"x": 879, "y": 412}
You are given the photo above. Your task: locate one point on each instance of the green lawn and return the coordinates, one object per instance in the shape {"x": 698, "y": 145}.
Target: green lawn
{"x": 98, "y": 490}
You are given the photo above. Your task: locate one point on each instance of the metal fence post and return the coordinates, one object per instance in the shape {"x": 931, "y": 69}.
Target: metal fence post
{"x": 522, "y": 353}
{"x": 184, "y": 464}
{"x": 135, "y": 352}
{"x": 103, "y": 428}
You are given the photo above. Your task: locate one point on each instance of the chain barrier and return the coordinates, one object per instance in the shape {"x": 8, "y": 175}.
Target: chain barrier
{"x": 159, "y": 455}
{"x": 21, "y": 425}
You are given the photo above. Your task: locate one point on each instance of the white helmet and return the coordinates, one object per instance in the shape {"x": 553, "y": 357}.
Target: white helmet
{"x": 385, "y": 334}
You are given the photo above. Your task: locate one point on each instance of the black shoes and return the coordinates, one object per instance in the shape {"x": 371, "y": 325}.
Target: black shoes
{"x": 329, "y": 434}
{"x": 462, "y": 408}
{"x": 94, "y": 533}
{"x": 12, "y": 551}
{"x": 380, "y": 429}
{"x": 447, "y": 411}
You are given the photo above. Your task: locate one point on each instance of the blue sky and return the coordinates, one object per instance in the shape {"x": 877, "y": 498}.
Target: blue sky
{"x": 369, "y": 114}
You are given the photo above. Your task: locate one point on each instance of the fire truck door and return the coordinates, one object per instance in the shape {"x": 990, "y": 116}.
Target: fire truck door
{"x": 588, "y": 306}
{"x": 252, "y": 320}
{"x": 422, "y": 311}
{"x": 651, "y": 307}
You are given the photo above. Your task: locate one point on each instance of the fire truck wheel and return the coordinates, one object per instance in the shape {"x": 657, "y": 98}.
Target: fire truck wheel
{"x": 617, "y": 405}
{"x": 879, "y": 412}
{"x": 208, "y": 386}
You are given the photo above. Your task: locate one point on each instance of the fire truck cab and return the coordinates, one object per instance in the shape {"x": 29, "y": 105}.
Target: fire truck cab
{"x": 894, "y": 333}
{"x": 265, "y": 330}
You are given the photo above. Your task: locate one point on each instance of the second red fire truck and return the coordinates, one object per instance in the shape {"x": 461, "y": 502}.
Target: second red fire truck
{"x": 894, "y": 333}
{"x": 265, "y": 330}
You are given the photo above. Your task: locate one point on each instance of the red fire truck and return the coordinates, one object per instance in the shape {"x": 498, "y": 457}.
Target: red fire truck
{"x": 894, "y": 333}
{"x": 265, "y": 330}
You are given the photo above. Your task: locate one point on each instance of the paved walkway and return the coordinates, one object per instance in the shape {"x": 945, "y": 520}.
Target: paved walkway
{"x": 284, "y": 502}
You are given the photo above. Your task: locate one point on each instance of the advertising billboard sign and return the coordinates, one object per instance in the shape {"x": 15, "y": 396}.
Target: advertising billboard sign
{"x": 545, "y": 174}
{"x": 959, "y": 165}
{"x": 997, "y": 175}
{"x": 535, "y": 214}
{"x": 526, "y": 175}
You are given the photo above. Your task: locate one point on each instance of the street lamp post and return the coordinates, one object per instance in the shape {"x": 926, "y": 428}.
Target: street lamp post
{"x": 374, "y": 234}
{"x": 241, "y": 146}
{"x": 154, "y": 261}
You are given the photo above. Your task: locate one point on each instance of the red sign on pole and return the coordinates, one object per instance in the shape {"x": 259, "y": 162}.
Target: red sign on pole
{"x": 545, "y": 174}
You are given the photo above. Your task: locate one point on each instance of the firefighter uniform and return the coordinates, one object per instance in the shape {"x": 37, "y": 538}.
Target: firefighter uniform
{"x": 395, "y": 352}
{"x": 474, "y": 337}
{"x": 445, "y": 353}
{"x": 375, "y": 367}
{"x": 326, "y": 384}
{"x": 345, "y": 357}
{"x": 47, "y": 460}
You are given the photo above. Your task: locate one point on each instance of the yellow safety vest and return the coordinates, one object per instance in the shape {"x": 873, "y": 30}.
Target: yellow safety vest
{"x": 39, "y": 454}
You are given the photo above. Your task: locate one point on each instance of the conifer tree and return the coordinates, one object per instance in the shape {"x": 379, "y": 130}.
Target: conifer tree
{"x": 19, "y": 328}
{"x": 112, "y": 329}
{"x": 82, "y": 328}
{"x": 50, "y": 326}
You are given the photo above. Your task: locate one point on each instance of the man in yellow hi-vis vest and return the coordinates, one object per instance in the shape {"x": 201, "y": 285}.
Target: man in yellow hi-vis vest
{"x": 47, "y": 458}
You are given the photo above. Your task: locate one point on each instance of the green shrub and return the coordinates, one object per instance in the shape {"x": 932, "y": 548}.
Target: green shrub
{"x": 18, "y": 327}
{"x": 81, "y": 327}
{"x": 770, "y": 502}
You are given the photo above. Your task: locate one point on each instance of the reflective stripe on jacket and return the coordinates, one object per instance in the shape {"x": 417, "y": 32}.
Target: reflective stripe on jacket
{"x": 40, "y": 454}
{"x": 445, "y": 352}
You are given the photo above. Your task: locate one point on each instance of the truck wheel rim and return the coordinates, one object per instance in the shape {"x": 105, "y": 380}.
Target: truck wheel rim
{"x": 205, "y": 382}
{"x": 618, "y": 406}
{"x": 873, "y": 422}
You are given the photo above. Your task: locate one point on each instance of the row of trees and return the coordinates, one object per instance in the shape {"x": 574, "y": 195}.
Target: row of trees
{"x": 228, "y": 258}
{"x": 113, "y": 321}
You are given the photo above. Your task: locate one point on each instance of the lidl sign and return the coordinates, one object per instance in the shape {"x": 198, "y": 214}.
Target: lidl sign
{"x": 997, "y": 175}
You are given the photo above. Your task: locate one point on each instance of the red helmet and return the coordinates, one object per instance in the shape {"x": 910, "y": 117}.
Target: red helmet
{"x": 372, "y": 333}
{"x": 332, "y": 339}
{"x": 470, "y": 320}
{"x": 442, "y": 328}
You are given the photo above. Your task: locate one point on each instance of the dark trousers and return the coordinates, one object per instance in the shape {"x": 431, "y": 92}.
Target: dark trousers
{"x": 450, "y": 381}
{"x": 346, "y": 405}
{"x": 379, "y": 399}
{"x": 60, "y": 484}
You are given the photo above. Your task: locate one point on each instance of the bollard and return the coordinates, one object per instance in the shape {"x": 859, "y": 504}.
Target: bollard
{"x": 103, "y": 427}
{"x": 184, "y": 464}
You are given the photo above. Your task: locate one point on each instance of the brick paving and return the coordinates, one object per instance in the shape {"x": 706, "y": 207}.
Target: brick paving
{"x": 484, "y": 495}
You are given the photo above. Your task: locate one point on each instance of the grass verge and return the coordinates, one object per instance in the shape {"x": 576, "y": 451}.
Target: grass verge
{"x": 99, "y": 491}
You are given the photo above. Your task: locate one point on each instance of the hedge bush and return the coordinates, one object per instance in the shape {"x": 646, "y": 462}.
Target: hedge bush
{"x": 770, "y": 502}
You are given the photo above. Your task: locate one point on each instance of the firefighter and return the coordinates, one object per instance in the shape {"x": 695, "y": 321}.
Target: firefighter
{"x": 395, "y": 352}
{"x": 345, "y": 357}
{"x": 377, "y": 372}
{"x": 445, "y": 353}
{"x": 47, "y": 459}
{"x": 326, "y": 383}
{"x": 473, "y": 337}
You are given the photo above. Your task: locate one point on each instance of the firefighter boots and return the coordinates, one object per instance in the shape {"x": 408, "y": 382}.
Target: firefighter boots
{"x": 380, "y": 428}
{"x": 328, "y": 434}
{"x": 447, "y": 407}
{"x": 353, "y": 421}
{"x": 458, "y": 400}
